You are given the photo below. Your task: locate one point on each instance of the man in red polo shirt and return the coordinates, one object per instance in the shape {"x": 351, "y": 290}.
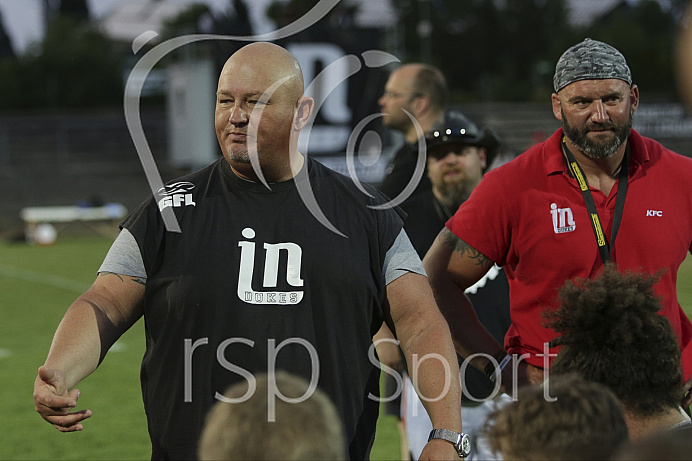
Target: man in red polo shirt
{"x": 554, "y": 213}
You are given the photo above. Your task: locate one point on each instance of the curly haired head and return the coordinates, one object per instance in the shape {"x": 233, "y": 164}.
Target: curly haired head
{"x": 610, "y": 332}
{"x": 569, "y": 419}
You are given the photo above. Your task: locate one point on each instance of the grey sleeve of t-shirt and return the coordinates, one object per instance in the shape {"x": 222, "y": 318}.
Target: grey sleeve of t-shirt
{"x": 124, "y": 257}
{"x": 400, "y": 259}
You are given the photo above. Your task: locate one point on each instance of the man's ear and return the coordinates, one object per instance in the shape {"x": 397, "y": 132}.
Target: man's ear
{"x": 429, "y": 169}
{"x": 483, "y": 155}
{"x": 419, "y": 106}
{"x": 634, "y": 97}
{"x": 557, "y": 112}
{"x": 303, "y": 112}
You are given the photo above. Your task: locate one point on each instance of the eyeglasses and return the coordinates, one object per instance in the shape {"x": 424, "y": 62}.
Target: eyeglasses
{"x": 394, "y": 95}
{"x": 459, "y": 149}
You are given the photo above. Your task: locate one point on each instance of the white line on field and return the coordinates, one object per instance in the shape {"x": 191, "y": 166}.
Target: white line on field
{"x": 46, "y": 279}
{"x": 119, "y": 346}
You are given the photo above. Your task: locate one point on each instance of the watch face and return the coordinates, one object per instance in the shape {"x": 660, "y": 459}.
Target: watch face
{"x": 465, "y": 445}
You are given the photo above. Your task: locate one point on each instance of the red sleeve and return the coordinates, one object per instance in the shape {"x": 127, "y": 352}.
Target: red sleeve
{"x": 484, "y": 220}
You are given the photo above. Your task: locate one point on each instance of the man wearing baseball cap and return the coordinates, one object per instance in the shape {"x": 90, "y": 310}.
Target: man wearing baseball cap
{"x": 595, "y": 191}
{"x": 458, "y": 153}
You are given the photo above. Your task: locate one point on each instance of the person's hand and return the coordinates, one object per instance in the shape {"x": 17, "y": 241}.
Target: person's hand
{"x": 686, "y": 394}
{"x": 54, "y": 403}
{"x": 526, "y": 375}
{"x": 438, "y": 449}
{"x": 535, "y": 375}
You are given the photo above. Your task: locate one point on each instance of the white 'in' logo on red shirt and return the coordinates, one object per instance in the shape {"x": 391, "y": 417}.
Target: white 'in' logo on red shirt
{"x": 563, "y": 219}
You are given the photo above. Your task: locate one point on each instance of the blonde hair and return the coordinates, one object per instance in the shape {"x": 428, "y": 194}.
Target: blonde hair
{"x": 309, "y": 429}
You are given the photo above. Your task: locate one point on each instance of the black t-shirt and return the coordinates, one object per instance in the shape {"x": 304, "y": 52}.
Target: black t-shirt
{"x": 490, "y": 297}
{"x": 255, "y": 278}
{"x": 400, "y": 171}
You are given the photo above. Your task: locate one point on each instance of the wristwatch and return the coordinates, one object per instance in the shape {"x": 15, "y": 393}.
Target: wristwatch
{"x": 461, "y": 442}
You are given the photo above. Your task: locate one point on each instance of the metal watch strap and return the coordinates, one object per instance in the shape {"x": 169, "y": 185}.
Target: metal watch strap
{"x": 460, "y": 441}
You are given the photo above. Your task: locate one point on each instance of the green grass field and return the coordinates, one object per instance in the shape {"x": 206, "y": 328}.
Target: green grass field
{"x": 38, "y": 284}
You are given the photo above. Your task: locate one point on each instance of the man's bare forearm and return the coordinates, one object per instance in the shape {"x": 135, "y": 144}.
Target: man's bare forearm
{"x": 92, "y": 324}
{"x": 452, "y": 266}
{"x": 429, "y": 352}
{"x": 470, "y": 337}
{"x": 434, "y": 370}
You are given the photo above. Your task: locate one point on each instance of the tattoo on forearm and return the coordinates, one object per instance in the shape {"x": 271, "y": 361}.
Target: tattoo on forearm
{"x": 101, "y": 274}
{"x": 464, "y": 250}
{"x": 131, "y": 278}
{"x": 139, "y": 280}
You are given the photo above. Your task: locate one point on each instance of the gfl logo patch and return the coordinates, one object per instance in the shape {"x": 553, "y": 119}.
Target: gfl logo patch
{"x": 176, "y": 194}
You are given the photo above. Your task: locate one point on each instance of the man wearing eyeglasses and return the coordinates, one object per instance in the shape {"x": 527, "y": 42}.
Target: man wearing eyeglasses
{"x": 415, "y": 97}
{"x": 458, "y": 154}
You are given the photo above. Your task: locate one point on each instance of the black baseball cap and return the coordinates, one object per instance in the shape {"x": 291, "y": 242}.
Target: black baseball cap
{"x": 456, "y": 128}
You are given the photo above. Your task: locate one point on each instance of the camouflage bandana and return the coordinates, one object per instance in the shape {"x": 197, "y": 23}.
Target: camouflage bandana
{"x": 590, "y": 60}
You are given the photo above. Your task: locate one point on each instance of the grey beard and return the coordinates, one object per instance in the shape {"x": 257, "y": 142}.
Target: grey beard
{"x": 595, "y": 150}
{"x": 453, "y": 195}
{"x": 241, "y": 157}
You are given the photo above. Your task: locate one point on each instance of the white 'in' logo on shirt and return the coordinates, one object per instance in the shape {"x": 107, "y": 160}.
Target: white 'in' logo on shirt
{"x": 271, "y": 272}
{"x": 563, "y": 219}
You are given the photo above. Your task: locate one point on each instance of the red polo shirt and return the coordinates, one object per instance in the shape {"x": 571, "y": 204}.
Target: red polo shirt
{"x": 529, "y": 216}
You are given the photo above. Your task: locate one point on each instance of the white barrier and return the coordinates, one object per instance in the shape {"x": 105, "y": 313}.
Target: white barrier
{"x": 101, "y": 219}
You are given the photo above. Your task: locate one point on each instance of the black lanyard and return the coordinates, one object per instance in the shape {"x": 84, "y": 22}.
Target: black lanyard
{"x": 603, "y": 248}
